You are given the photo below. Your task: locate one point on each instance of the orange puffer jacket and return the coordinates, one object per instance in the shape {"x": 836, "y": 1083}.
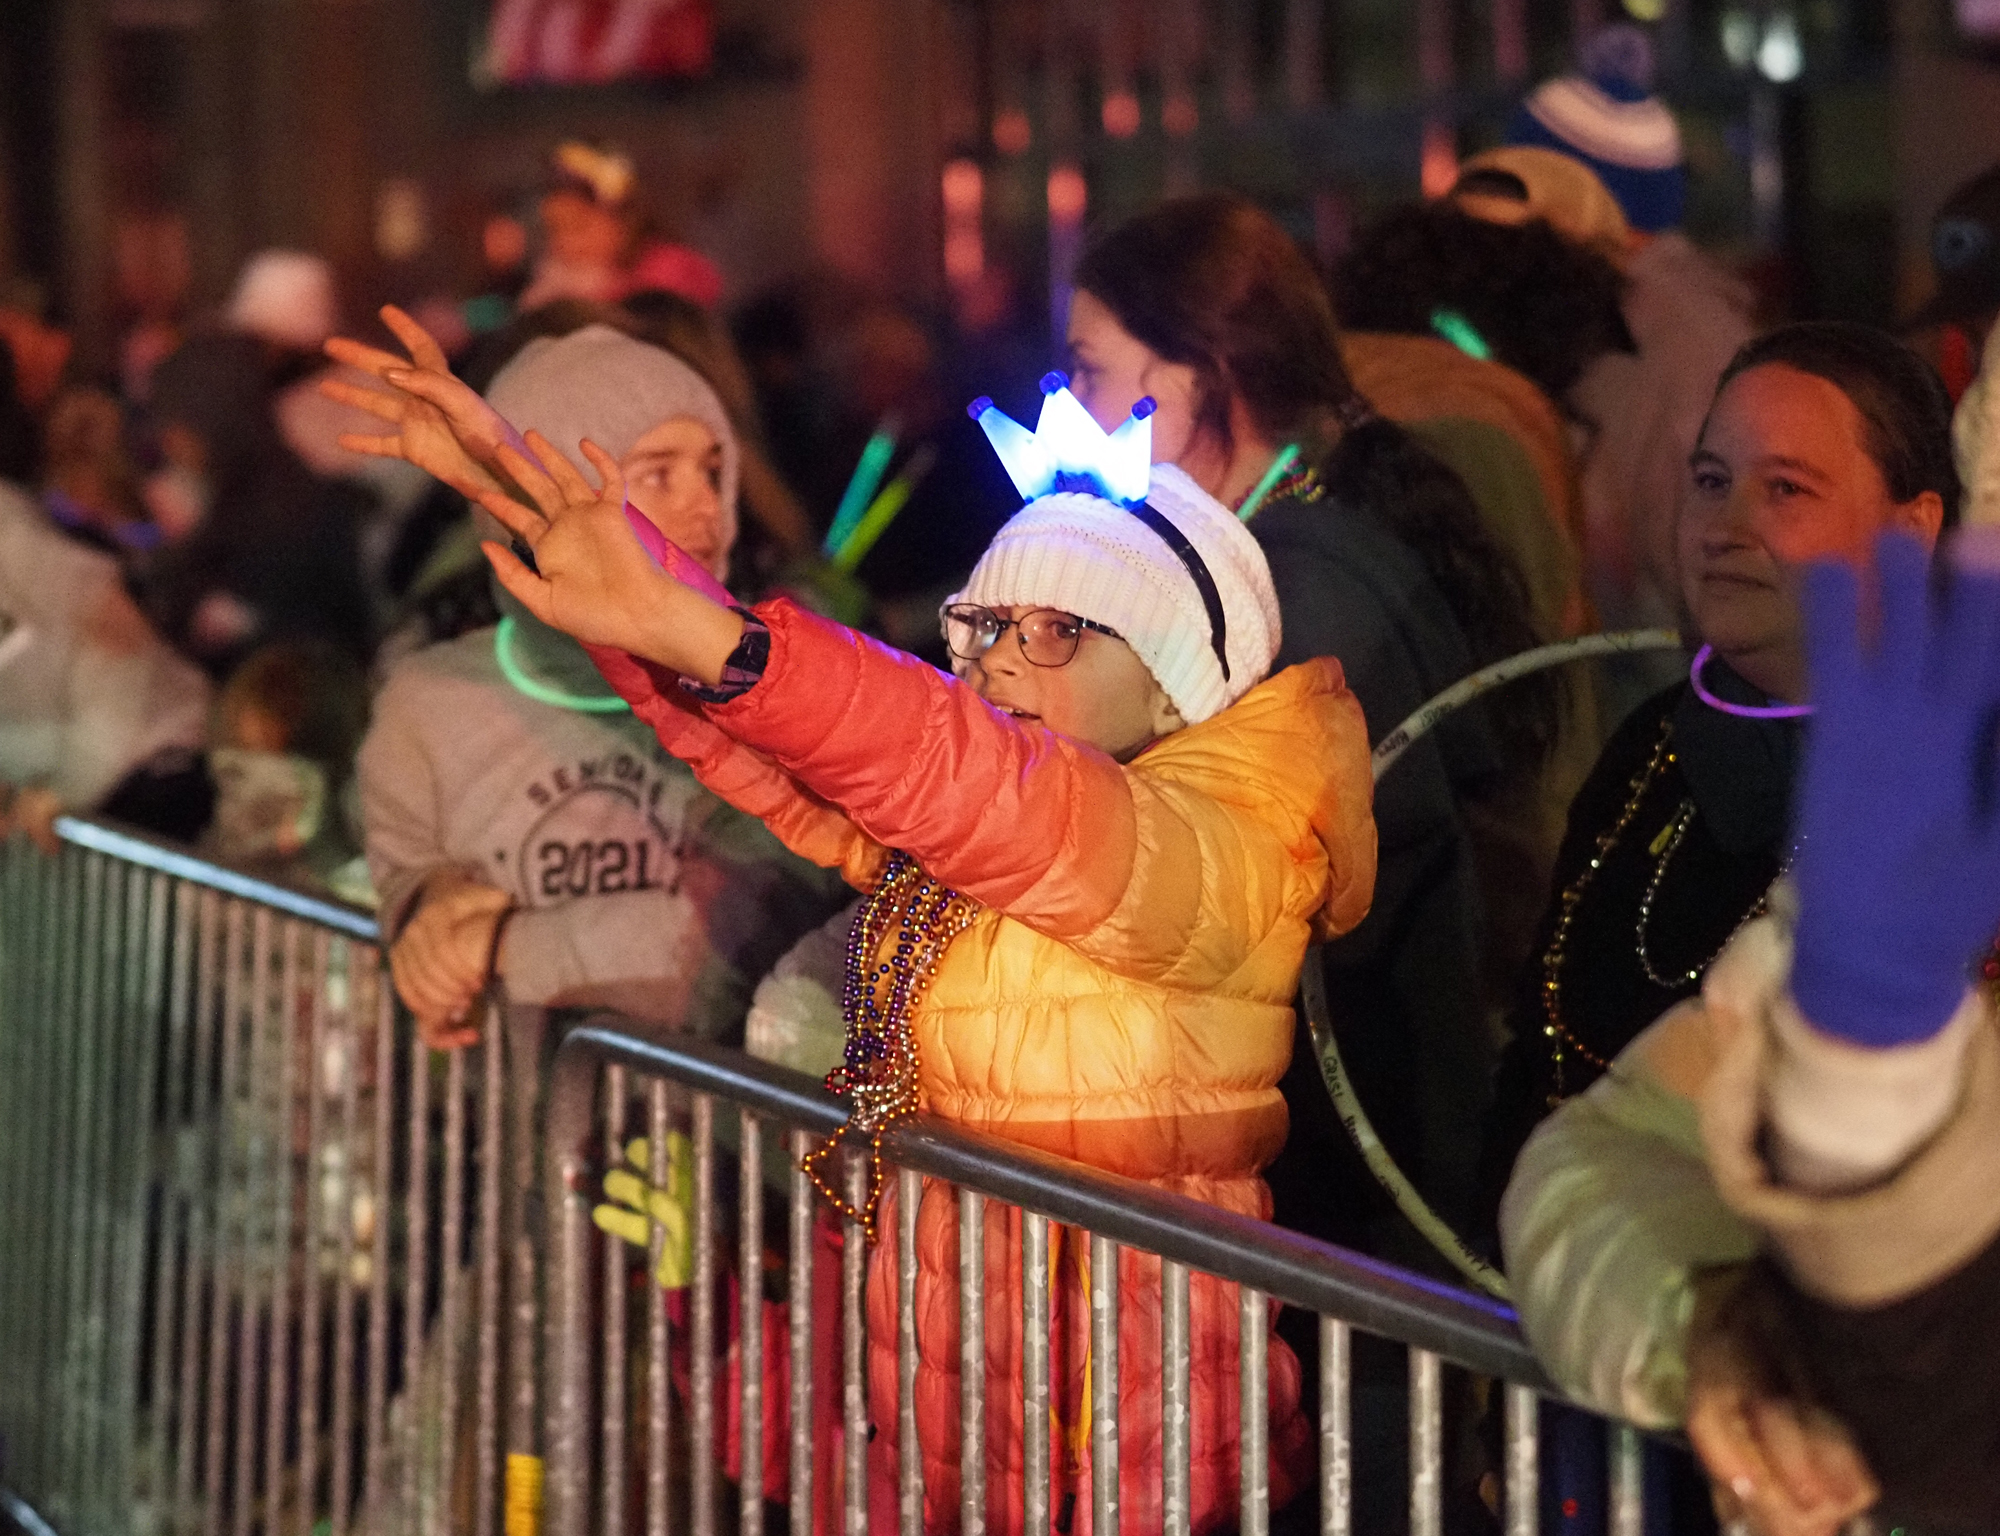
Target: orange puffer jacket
{"x": 1124, "y": 999}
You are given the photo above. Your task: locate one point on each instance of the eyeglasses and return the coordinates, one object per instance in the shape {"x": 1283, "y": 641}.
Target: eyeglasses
{"x": 1048, "y": 636}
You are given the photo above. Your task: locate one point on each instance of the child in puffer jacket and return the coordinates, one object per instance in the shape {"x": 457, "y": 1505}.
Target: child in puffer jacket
{"x": 1095, "y": 856}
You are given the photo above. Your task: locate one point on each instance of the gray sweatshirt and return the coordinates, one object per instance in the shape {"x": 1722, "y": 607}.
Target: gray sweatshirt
{"x": 637, "y": 889}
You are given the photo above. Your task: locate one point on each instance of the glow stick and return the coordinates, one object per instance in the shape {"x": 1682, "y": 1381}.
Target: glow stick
{"x": 1284, "y": 461}
{"x": 883, "y": 509}
{"x": 862, "y": 486}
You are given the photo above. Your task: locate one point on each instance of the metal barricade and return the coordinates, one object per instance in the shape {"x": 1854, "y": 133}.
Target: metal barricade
{"x": 268, "y": 1264}
{"x": 606, "y": 1081}
{"x": 203, "y": 1272}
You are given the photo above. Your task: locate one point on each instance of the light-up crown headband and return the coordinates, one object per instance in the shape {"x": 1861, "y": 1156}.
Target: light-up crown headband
{"x": 1068, "y": 451}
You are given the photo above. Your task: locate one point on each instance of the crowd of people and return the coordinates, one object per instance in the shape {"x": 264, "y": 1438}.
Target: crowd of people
{"x": 1017, "y": 777}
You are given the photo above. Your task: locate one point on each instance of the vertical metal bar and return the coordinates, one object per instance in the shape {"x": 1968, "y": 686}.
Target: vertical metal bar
{"x": 254, "y": 1141}
{"x": 801, "y": 1317}
{"x": 48, "y": 1159}
{"x": 1253, "y": 1343}
{"x": 78, "y": 1210}
{"x": 416, "y": 1260}
{"x": 854, "y": 1350}
{"x": 341, "y": 1499}
{"x": 567, "y": 1431}
{"x": 62, "y": 1227}
{"x": 196, "y": 1161}
{"x": 909, "y": 1448}
{"x": 16, "y": 924}
{"x": 106, "y": 957}
{"x": 16, "y": 918}
{"x": 526, "y": 1030}
{"x": 1523, "y": 1461}
{"x": 1628, "y": 1481}
{"x": 1426, "y": 1444}
{"x": 312, "y": 1322}
{"x": 702, "y": 1363}
{"x": 492, "y": 1160}
{"x": 1176, "y": 1425}
{"x": 1035, "y": 1373}
{"x": 1103, "y": 1386}
{"x": 368, "y": 962}
{"x": 226, "y": 1273}
{"x": 750, "y": 1294}
{"x": 170, "y": 1273}
{"x": 104, "y": 945}
{"x": 971, "y": 1363}
{"x": 51, "y": 1329}
{"x": 1336, "y": 1427}
{"x": 134, "y": 1135}
{"x": 659, "y": 1380}
{"x": 277, "y": 1401}
{"x": 617, "y": 1266}
{"x": 452, "y": 1276}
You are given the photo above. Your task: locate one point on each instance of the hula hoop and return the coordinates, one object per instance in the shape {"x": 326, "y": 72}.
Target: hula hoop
{"x": 1333, "y": 1071}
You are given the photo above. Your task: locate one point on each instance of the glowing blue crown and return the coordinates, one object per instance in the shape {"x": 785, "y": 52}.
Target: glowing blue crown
{"x": 1068, "y": 451}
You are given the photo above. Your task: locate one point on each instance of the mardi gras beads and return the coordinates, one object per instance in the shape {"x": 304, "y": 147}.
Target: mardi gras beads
{"x": 884, "y": 983}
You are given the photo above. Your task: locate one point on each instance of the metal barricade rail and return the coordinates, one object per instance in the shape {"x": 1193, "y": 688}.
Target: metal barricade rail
{"x": 1442, "y": 1325}
{"x": 267, "y": 1264}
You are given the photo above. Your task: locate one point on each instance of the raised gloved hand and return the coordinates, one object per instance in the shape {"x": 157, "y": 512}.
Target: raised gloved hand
{"x": 1898, "y": 864}
{"x": 638, "y": 1206}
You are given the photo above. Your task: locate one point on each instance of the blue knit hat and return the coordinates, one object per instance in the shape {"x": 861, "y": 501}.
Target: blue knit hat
{"x": 1608, "y": 118}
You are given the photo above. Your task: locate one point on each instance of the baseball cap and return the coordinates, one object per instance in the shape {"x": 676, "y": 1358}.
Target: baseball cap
{"x": 1518, "y": 184}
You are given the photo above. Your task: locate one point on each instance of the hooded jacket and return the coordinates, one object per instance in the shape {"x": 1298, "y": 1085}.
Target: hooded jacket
{"x": 1124, "y": 998}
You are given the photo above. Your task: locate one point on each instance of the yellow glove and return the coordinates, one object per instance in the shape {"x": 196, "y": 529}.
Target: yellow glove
{"x": 639, "y": 1206}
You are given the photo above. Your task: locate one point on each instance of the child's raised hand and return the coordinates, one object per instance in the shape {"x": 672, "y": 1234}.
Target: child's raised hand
{"x": 591, "y": 577}
{"x": 442, "y": 425}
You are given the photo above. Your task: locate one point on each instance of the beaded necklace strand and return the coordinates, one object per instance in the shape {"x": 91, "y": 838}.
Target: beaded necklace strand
{"x": 1562, "y": 1040}
{"x": 879, "y": 1000}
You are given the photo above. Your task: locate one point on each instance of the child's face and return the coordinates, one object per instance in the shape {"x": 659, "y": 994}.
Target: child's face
{"x": 674, "y": 475}
{"x": 1104, "y": 697}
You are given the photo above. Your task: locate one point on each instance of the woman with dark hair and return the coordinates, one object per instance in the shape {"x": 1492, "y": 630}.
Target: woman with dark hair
{"x": 1821, "y": 437}
{"x": 1380, "y": 560}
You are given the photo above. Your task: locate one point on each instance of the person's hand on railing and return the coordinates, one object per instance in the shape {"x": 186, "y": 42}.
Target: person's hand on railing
{"x": 444, "y": 957}
{"x": 638, "y": 1206}
{"x": 1778, "y": 1466}
{"x": 591, "y": 575}
{"x": 32, "y": 812}
{"x": 441, "y": 424}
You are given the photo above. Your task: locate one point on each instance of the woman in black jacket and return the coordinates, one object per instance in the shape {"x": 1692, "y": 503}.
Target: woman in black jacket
{"x": 1380, "y": 560}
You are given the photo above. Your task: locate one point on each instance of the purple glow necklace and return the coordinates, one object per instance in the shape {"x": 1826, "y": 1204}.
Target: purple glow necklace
{"x": 1747, "y": 711}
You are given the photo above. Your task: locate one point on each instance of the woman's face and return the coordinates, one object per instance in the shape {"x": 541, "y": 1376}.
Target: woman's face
{"x": 1111, "y": 371}
{"x": 674, "y": 475}
{"x": 1782, "y": 476}
{"x": 1104, "y": 696}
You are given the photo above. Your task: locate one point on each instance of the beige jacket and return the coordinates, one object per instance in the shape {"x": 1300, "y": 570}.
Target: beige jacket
{"x": 1629, "y": 1190}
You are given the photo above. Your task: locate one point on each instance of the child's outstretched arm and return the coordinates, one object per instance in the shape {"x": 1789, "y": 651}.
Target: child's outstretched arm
{"x": 1025, "y": 821}
{"x": 879, "y": 735}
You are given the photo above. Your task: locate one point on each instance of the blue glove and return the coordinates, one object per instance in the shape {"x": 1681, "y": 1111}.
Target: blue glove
{"x": 1898, "y": 865}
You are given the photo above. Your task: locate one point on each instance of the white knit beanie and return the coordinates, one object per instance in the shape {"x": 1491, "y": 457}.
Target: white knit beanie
{"x": 601, "y": 384}
{"x": 1093, "y": 558}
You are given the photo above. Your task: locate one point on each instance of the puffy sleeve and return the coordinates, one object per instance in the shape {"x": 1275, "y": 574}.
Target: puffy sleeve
{"x": 1044, "y": 829}
{"x": 740, "y": 775}
{"x": 1609, "y": 1217}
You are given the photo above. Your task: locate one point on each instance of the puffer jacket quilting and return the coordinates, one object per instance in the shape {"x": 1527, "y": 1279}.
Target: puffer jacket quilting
{"x": 1124, "y": 999}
